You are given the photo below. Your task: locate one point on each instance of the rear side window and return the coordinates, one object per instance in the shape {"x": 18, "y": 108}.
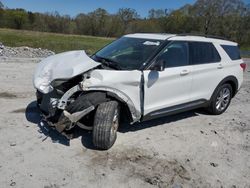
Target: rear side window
{"x": 202, "y": 53}
{"x": 232, "y": 51}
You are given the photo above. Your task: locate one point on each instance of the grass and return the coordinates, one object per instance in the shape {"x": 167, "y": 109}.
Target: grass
{"x": 245, "y": 51}
{"x": 60, "y": 42}
{"x": 245, "y": 48}
{"x": 55, "y": 42}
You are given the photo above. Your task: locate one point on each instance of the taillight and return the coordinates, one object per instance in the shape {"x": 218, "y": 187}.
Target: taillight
{"x": 243, "y": 66}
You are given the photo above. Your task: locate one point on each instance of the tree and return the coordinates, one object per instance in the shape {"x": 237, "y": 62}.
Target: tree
{"x": 156, "y": 13}
{"x": 228, "y": 18}
{"x": 127, "y": 14}
{"x": 98, "y": 19}
{"x": 1, "y": 5}
{"x": 83, "y": 25}
{"x": 15, "y": 18}
{"x": 178, "y": 22}
{"x": 211, "y": 10}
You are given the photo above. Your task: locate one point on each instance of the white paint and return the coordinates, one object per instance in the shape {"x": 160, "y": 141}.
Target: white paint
{"x": 174, "y": 37}
{"x": 125, "y": 84}
{"x": 150, "y": 36}
{"x": 61, "y": 66}
{"x": 168, "y": 88}
{"x": 150, "y": 43}
{"x": 202, "y": 39}
{"x": 206, "y": 77}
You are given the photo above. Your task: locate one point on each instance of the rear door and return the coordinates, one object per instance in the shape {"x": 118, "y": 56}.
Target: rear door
{"x": 208, "y": 69}
{"x": 171, "y": 87}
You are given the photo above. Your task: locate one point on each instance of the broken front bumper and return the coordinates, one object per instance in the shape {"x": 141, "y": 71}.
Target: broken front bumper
{"x": 53, "y": 109}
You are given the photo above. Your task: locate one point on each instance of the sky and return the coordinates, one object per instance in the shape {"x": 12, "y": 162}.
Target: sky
{"x": 74, "y": 7}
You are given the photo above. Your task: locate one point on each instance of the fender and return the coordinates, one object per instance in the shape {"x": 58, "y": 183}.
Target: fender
{"x": 119, "y": 95}
{"x": 231, "y": 79}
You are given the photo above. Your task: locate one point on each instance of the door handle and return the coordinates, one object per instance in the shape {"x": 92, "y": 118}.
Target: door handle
{"x": 184, "y": 72}
{"x": 220, "y": 66}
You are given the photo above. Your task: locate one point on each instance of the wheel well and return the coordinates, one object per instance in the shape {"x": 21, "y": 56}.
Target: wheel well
{"x": 125, "y": 111}
{"x": 232, "y": 80}
{"x": 126, "y": 115}
{"x": 234, "y": 86}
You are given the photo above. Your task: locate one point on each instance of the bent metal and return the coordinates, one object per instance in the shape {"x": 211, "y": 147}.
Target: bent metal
{"x": 137, "y": 78}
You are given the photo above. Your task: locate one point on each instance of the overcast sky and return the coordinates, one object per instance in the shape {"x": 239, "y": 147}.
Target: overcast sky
{"x": 73, "y": 7}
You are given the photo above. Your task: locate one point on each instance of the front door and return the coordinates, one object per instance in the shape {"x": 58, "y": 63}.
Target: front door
{"x": 171, "y": 87}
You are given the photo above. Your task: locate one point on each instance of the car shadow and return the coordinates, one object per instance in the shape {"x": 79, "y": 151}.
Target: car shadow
{"x": 159, "y": 121}
{"x": 32, "y": 114}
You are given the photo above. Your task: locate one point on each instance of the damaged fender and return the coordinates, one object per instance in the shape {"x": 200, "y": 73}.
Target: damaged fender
{"x": 125, "y": 89}
{"x": 136, "y": 115}
{"x": 124, "y": 85}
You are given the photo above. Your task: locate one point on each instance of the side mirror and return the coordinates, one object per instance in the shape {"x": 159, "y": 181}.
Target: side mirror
{"x": 159, "y": 65}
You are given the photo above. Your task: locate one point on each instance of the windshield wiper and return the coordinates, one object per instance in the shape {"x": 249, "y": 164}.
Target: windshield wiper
{"x": 110, "y": 63}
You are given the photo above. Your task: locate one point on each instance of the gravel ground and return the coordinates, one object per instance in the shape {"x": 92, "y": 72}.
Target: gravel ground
{"x": 191, "y": 149}
{"x": 23, "y": 52}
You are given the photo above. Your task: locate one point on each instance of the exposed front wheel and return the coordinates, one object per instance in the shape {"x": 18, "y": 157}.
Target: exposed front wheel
{"x": 106, "y": 123}
{"x": 221, "y": 99}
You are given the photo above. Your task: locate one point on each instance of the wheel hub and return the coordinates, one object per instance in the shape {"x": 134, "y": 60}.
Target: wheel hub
{"x": 223, "y": 99}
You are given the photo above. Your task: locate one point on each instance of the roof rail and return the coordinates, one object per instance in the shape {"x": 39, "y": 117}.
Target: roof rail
{"x": 202, "y": 35}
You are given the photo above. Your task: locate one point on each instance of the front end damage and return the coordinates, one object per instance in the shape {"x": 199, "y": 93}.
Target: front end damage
{"x": 63, "y": 111}
{"x": 76, "y": 107}
{"x": 68, "y": 94}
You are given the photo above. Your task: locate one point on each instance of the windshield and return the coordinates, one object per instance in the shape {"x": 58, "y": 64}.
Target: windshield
{"x": 128, "y": 53}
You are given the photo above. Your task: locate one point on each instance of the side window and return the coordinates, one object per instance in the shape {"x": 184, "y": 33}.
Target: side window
{"x": 232, "y": 51}
{"x": 202, "y": 53}
{"x": 175, "y": 54}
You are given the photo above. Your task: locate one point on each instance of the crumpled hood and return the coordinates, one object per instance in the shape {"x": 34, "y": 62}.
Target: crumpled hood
{"x": 61, "y": 66}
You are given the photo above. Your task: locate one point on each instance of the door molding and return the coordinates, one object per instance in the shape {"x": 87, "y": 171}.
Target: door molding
{"x": 176, "y": 109}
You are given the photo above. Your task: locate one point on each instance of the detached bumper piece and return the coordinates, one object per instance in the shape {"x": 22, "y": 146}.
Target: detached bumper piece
{"x": 64, "y": 115}
{"x": 73, "y": 119}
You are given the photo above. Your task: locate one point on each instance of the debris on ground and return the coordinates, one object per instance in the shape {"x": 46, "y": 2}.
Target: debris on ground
{"x": 214, "y": 164}
{"x": 12, "y": 183}
{"x": 213, "y": 131}
{"x": 13, "y": 144}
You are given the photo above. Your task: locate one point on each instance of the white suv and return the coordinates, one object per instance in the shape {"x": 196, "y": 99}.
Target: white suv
{"x": 137, "y": 77}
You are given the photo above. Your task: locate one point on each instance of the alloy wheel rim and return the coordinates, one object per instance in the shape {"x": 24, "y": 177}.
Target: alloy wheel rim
{"x": 223, "y": 99}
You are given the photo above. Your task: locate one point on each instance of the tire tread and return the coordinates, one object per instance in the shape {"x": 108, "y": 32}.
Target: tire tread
{"x": 102, "y": 124}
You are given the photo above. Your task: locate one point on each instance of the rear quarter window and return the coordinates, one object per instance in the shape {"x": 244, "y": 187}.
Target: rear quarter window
{"x": 232, "y": 51}
{"x": 203, "y": 53}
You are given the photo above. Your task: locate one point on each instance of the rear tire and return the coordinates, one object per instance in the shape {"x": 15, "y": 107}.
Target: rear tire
{"x": 221, "y": 99}
{"x": 106, "y": 123}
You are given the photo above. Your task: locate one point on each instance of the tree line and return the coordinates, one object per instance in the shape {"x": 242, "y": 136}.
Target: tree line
{"x": 227, "y": 18}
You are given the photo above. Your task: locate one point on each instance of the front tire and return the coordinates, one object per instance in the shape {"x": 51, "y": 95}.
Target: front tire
{"x": 221, "y": 99}
{"x": 106, "y": 123}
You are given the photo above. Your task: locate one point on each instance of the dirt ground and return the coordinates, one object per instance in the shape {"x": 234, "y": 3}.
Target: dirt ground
{"x": 191, "y": 149}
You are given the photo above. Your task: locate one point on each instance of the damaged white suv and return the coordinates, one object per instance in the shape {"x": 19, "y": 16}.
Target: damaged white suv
{"x": 135, "y": 78}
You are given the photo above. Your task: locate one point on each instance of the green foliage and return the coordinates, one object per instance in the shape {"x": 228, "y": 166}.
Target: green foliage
{"x": 156, "y": 13}
{"x": 227, "y": 18}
